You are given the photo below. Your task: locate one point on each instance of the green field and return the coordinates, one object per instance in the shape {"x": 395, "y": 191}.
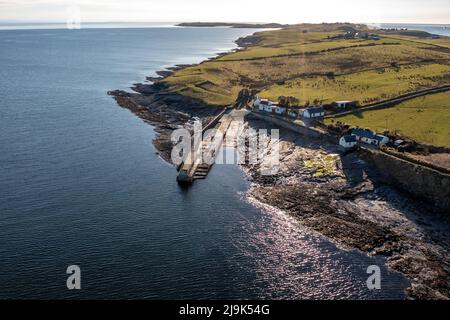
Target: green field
{"x": 295, "y": 49}
{"x": 440, "y": 42}
{"x": 314, "y": 61}
{"x": 291, "y": 61}
{"x": 365, "y": 87}
{"x": 425, "y": 119}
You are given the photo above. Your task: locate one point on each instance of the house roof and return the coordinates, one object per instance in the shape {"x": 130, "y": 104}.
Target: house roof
{"x": 315, "y": 109}
{"x": 379, "y": 137}
{"x": 349, "y": 138}
{"x": 366, "y": 133}
{"x": 344, "y": 101}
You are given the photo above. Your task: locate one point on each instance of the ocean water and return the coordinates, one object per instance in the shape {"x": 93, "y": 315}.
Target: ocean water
{"x": 80, "y": 183}
{"x": 440, "y": 29}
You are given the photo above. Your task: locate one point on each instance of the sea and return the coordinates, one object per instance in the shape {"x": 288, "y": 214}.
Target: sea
{"x": 81, "y": 184}
{"x": 436, "y": 29}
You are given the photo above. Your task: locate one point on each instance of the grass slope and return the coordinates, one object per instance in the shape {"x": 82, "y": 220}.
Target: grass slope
{"x": 295, "y": 60}
{"x": 425, "y": 119}
{"x": 365, "y": 87}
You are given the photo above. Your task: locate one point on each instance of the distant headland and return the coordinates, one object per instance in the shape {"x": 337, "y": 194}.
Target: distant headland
{"x": 232, "y": 25}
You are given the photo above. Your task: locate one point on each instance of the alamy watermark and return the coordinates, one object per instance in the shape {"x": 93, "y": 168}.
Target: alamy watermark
{"x": 374, "y": 280}
{"x": 73, "y": 17}
{"x": 74, "y": 280}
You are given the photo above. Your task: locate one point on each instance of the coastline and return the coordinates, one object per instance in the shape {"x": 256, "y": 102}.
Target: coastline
{"x": 231, "y": 25}
{"x": 344, "y": 210}
{"x": 355, "y": 207}
{"x": 170, "y": 111}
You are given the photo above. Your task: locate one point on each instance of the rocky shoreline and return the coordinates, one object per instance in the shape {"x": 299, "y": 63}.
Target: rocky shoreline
{"x": 168, "y": 111}
{"x": 347, "y": 200}
{"x": 342, "y": 197}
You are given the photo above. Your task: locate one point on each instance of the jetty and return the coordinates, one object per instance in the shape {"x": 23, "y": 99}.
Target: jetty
{"x": 227, "y": 125}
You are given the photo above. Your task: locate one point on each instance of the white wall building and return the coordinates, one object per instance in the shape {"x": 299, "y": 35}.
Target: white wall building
{"x": 370, "y": 137}
{"x": 292, "y": 114}
{"x": 280, "y": 110}
{"x": 314, "y": 112}
{"x": 256, "y": 102}
{"x": 381, "y": 140}
{"x": 268, "y": 107}
{"x": 348, "y": 142}
{"x": 344, "y": 104}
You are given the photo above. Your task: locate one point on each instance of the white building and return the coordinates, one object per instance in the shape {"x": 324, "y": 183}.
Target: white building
{"x": 369, "y": 137}
{"x": 264, "y": 105}
{"x": 363, "y": 135}
{"x": 292, "y": 114}
{"x": 314, "y": 112}
{"x": 381, "y": 140}
{"x": 256, "y": 102}
{"x": 268, "y": 107}
{"x": 348, "y": 142}
{"x": 280, "y": 110}
{"x": 344, "y": 104}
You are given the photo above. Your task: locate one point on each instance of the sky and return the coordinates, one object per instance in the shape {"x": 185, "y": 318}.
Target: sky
{"x": 283, "y": 11}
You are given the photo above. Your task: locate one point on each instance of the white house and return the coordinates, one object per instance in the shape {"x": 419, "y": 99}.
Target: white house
{"x": 348, "y": 142}
{"x": 314, "y": 112}
{"x": 265, "y": 105}
{"x": 280, "y": 110}
{"x": 363, "y": 135}
{"x": 369, "y": 137}
{"x": 259, "y": 103}
{"x": 398, "y": 142}
{"x": 381, "y": 140}
{"x": 292, "y": 114}
{"x": 268, "y": 107}
{"x": 344, "y": 104}
{"x": 256, "y": 102}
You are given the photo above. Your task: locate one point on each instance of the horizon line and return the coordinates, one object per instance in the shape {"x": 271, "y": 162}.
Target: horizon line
{"x": 229, "y": 22}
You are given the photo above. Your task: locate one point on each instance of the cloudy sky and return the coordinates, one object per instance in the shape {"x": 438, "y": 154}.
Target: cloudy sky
{"x": 286, "y": 11}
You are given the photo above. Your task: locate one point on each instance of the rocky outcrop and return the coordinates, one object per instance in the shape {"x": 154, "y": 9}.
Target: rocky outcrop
{"x": 248, "y": 41}
{"x": 347, "y": 199}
